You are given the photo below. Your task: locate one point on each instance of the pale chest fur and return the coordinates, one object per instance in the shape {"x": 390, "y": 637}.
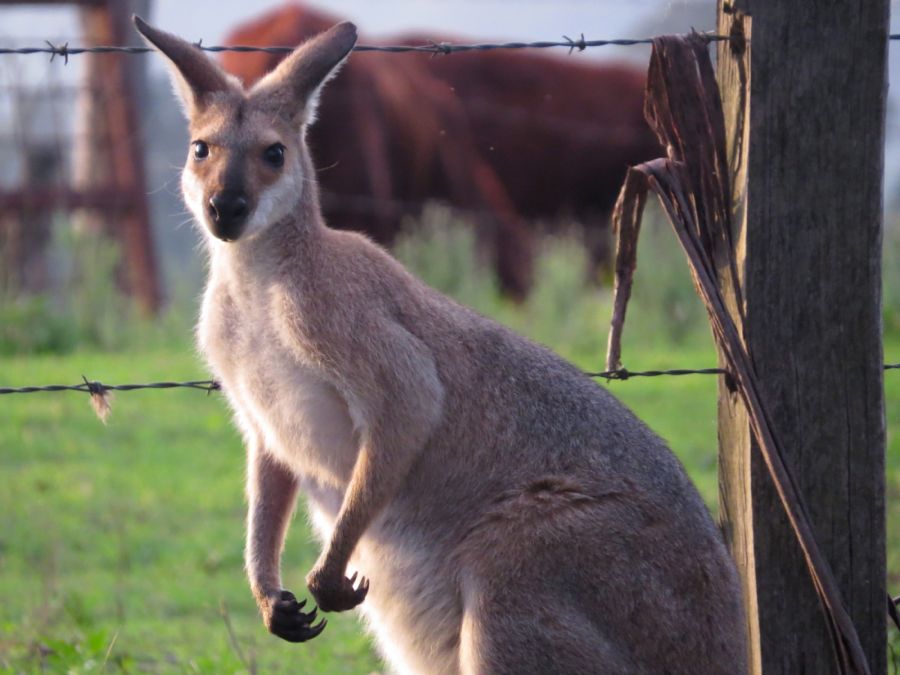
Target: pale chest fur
{"x": 299, "y": 415}
{"x": 280, "y": 399}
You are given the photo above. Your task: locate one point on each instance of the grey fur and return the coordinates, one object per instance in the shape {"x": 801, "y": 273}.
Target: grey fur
{"x": 509, "y": 515}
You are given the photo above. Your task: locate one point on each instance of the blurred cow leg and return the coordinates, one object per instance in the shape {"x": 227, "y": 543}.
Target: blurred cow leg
{"x": 474, "y": 186}
{"x": 511, "y": 241}
{"x": 597, "y": 235}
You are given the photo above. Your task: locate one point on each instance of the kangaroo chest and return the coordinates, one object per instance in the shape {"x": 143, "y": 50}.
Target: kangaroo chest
{"x": 281, "y": 400}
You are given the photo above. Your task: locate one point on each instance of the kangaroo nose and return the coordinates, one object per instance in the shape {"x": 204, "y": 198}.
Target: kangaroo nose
{"x": 228, "y": 211}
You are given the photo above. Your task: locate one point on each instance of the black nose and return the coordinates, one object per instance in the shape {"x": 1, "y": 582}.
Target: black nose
{"x": 228, "y": 211}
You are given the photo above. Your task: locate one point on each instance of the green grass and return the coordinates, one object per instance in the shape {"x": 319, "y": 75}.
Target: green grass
{"x": 133, "y": 532}
{"x": 121, "y": 545}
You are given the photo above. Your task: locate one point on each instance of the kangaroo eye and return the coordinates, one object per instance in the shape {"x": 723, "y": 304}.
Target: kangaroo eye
{"x": 274, "y": 155}
{"x": 201, "y": 149}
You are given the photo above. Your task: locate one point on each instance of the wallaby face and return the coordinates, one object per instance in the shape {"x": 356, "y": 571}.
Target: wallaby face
{"x": 487, "y": 507}
{"x": 242, "y": 169}
{"x": 247, "y": 152}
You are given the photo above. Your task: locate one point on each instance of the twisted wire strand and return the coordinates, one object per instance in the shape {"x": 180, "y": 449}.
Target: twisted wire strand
{"x": 94, "y": 387}
{"x": 64, "y": 51}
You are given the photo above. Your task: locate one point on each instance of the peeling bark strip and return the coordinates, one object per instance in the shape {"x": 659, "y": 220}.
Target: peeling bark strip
{"x": 684, "y": 108}
{"x": 626, "y": 227}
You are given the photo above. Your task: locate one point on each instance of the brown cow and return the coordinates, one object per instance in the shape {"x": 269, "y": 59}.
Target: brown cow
{"x": 502, "y": 136}
{"x": 559, "y": 132}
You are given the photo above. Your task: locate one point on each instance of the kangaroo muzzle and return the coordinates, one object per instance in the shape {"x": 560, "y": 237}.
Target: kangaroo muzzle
{"x": 228, "y": 211}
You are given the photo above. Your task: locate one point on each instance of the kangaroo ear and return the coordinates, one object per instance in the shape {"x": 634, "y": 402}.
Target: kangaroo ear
{"x": 194, "y": 76}
{"x": 293, "y": 87}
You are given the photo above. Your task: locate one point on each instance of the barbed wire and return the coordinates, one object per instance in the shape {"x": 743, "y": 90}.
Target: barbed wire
{"x": 625, "y": 374}
{"x": 94, "y": 387}
{"x": 64, "y": 51}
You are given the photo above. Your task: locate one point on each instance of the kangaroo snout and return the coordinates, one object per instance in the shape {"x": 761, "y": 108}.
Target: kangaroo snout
{"x": 228, "y": 211}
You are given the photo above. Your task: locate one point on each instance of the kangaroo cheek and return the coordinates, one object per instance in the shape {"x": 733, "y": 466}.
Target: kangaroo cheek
{"x": 192, "y": 189}
{"x": 276, "y": 201}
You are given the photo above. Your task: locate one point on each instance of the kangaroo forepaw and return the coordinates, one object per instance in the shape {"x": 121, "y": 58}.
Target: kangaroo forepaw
{"x": 337, "y": 594}
{"x": 289, "y": 623}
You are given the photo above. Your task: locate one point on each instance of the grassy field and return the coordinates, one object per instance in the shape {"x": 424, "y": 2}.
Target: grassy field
{"x": 120, "y": 545}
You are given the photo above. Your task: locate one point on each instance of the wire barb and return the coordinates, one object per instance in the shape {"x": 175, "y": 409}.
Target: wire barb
{"x": 99, "y": 398}
{"x": 59, "y": 51}
{"x": 580, "y": 45}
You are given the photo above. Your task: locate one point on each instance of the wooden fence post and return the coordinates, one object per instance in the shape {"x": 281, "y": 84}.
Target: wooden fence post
{"x": 804, "y": 88}
{"x": 110, "y": 150}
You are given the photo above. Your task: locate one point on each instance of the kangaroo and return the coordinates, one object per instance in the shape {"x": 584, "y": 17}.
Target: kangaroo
{"x": 488, "y": 507}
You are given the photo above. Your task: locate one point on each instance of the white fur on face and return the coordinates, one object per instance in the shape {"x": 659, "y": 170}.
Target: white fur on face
{"x": 192, "y": 190}
{"x": 277, "y": 200}
{"x": 273, "y": 204}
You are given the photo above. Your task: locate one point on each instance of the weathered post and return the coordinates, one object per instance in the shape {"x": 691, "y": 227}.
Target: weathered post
{"x": 109, "y": 151}
{"x": 803, "y": 87}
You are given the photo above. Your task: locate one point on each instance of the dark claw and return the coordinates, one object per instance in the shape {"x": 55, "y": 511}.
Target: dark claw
{"x": 289, "y": 623}
{"x": 339, "y": 596}
{"x": 303, "y": 634}
{"x": 318, "y": 628}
